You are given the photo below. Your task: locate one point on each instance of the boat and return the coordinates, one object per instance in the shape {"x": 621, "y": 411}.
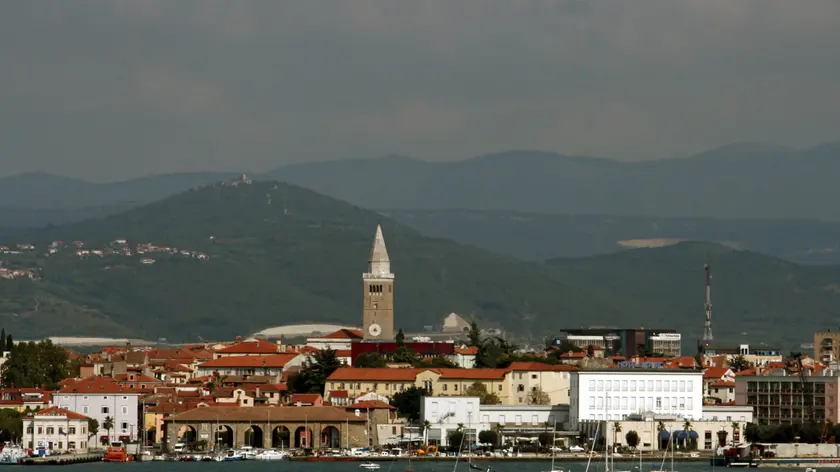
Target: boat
{"x": 271, "y": 455}
{"x": 229, "y": 456}
{"x": 671, "y": 447}
{"x": 810, "y": 469}
{"x": 554, "y": 450}
{"x": 116, "y": 453}
{"x": 12, "y": 454}
{"x": 369, "y": 465}
{"x": 248, "y": 453}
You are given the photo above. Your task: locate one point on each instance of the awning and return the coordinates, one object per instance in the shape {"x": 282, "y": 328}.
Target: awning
{"x": 688, "y": 434}
{"x": 664, "y": 435}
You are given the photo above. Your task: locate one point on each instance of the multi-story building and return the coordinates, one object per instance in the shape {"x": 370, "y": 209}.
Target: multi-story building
{"x": 827, "y": 346}
{"x": 272, "y": 365}
{"x": 615, "y": 394}
{"x": 527, "y": 379}
{"x": 56, "y": 429}
{"x": 104, "y": 400}
{"x": 787, "y": 399}
{"x": 755, "y": 355}
{"x": 623, "y": 342}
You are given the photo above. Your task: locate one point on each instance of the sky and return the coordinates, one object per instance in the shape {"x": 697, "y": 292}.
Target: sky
{"x": 107, "y": 90}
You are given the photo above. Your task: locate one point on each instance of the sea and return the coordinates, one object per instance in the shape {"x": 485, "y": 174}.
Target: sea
{"x": 389, "y": 466}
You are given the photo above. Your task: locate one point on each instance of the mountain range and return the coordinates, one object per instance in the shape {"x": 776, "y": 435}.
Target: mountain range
{"x": 280, "y": 254}
{"x": 737, "y": 181}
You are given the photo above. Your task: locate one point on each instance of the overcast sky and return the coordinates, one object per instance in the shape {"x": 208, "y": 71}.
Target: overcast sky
{"x": 115, "y": 89}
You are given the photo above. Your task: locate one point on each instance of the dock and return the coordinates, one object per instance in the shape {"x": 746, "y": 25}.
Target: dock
{"x": 64, "y": 459}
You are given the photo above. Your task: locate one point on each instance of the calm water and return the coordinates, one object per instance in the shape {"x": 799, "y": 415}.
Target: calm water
{"x": 395, "y": 466}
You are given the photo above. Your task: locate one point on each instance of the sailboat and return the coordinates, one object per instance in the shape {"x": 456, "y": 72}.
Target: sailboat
{"x": 554, "y": 450}
{"x": 594, "y": 442}
{"x": 671, "y": 447}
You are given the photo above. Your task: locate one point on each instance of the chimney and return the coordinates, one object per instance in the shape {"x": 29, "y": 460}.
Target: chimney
{"x": 238, "y": 339}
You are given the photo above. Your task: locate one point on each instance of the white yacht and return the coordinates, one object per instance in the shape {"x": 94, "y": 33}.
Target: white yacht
{"x": 271, "y": 455}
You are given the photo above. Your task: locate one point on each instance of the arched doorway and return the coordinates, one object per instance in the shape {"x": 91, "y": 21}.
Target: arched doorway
{"x": 223, "y": 437}
{"x": 254, "y": 437}
{"x": 281, "y": 438}
{"x": 187, "y": 435}
{"x": 303, "y": 437}
{"x": 331, "y": 438}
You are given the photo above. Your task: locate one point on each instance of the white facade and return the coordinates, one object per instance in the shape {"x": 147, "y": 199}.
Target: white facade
{"x": 121, "y": 407}
{"x": 728, "y": 413}
{"x": 446, "y": 413}
{"x": 614, "y": 394}
{"x": 56, "y": 430}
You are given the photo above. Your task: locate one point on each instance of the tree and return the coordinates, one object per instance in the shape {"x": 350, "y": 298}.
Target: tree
{"x": 751, "y": 432}
{"x": 689, "y": 443}
{"x": 426, "y": 426}
{"x": 200, "y": 445}
{"x": 632, "y": 438}
{"x": 93, "y": 427}
{"x": 739, "y": 363}
{"x": 400, "y": 338}
{"x": 455, "y": 439}
{"x": 616, "y": 430}
{"x": 488, "y": 436}
{"x": 478, "y": 389}
{"x": 11, "y": 425}
{"x": 538, "y": 397}
{"x": 313, "y": 376}
{"x": 10, "y": 344}
{"x": 474, "y": 335}
{"x": 546, "y": 439}
{"x": 35, "y": 365}
{"x": 3, "y": 340}
{"x": 565, "y": 346}
{"x": 404, "y": 354}
{"x": 439, "y": 362}
{"x": 370, "y": 360}
{"x": 108, "y": 424}
{"x": 408, "y": 401}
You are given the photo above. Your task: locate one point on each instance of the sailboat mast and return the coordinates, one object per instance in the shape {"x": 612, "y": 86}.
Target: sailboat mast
{"x": 606, "y": 439}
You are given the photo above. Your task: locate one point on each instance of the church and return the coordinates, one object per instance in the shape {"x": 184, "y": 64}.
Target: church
{"x": 378, "y": 310}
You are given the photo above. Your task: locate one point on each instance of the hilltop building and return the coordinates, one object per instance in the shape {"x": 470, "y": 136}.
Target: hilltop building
{"x": 623, "y": 342}
{"x": 378, "y": 282}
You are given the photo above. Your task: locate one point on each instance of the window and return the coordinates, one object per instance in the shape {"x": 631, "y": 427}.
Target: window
{"x": 609, "y": 402}
{"x": 124, "y": 426}
{"x": 650, "y": 385}
{"x": 658, "y": 385}
{"x": 84, "y": 397}
{"x": 501, "y": 419}
{"x": 632, "y": 403}
{"x": 40, "y": 430}
{"x": 658, "y": 402}
{"x": 455, "y": 387}
{"x": 535, "y": 419}
{"x": 85, "y": 409}
{"x": 105, "y": 410}
{"x": 600, "y": 403}
{"x": 445, "y": 387}
{"x": 592, "y": 403}
{"x": 29, "y": 430}
{"x": 533, "y": 376}
{"x": 485, "y": 418}
{"x": 632, "y": 385}
{"x": 50, "y": 430}
{"x": 623, "y": 403}
{"x": 500, "y": 387}
{"x": 623, "y": 385}
{"x": 666, "y": 386}
{"x": 71, "y": 445}
{"x": 600, "y": 385}
{"x": 682, "y": 403}
{"x": 649, "y": 403}
{"x": 84, "y": 431}
{"x": 125, "y": 410}
{"x": 591, "y": 385}
{"x": 673, "y": 385}
{"x": 682, "y": 385}
{"x": 60, "y": 430}
{"x": 689, "y": 385}
{"x": 518, "y": 419}
{"x": 641, "y": 385}
{"x": 689, "y": 403}
{"x": 616, "y": 385}
{"x": 607, "y": 386}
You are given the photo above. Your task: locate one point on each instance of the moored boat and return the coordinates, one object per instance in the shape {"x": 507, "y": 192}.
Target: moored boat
{"x": 116, "y": 453}
{"x": 12, "y": 454}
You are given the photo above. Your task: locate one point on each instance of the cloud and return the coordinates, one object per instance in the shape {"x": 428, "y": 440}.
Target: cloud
{"x": 112, "y": 88}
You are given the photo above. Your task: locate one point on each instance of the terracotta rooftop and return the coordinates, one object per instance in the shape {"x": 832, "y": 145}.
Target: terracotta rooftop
{"x": 715, "y": 372}
{"x": 345, "y": 334}
{"x": 305, "y": 398}
{"x": 466, "y": 350}
{"x": 274, "y": 360}
{"x": 723, "y": 383}
{"x": 253, "y": 346}
{"x": 56, "y": 411}
{"x": 312, "y": 414}
{"x": 472, "y": 374}
{"x": 100, "y": 385}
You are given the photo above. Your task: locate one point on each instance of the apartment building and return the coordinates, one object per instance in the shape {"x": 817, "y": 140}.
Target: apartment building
{"x": 272, "y": 365}
{"x": 615, "y": 394}
{"x": 827, "y": 346}
{"x": 527, "y": 378}
{"x": 787, "y": 399}
{"x": 102, "y": 398}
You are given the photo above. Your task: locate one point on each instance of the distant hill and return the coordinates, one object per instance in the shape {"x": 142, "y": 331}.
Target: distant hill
{"x": 755, "y": 298}
{"x": 737, "y": 181}
{"x": 537, "y": 237}
{"x": 278, "y": 254}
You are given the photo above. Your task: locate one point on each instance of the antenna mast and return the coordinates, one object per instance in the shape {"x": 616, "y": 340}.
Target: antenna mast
{"x": 707, "y": 331}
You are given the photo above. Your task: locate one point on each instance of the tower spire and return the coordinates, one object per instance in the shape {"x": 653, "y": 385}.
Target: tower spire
{"x": 707, "y": 325}
{"x": 379, "y": 264}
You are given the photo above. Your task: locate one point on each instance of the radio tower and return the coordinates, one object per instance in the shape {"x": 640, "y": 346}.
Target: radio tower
{"x": 707, "y": 331}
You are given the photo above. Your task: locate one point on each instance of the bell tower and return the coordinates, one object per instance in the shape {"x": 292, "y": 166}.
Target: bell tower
{"x": 378, "y": 282}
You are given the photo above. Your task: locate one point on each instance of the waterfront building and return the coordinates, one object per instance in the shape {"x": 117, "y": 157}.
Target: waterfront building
{"x": 57, "y": 430}
{"x": 103, "y": 399}
{"x": 787, "y": 399}
{"x": 615, "y": 394}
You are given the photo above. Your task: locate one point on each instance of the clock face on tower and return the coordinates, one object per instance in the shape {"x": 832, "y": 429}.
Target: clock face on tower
{"x": 374, "y": 329}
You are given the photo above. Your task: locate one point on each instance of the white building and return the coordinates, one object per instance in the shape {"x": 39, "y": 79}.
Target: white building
{"x": 446, "y": 413}
{"x": 101, "y": 398}
{"x": 56, "y": 429}
{"x": 615, "y": 394}
{"x": 668, "y": 344}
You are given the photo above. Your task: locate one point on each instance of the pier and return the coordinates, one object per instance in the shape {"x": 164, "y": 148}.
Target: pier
{"x": 64, "y": 459}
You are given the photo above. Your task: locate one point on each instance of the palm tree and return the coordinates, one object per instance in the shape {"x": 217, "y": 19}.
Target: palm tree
{"x": 616, "y": 430}
{"x": 660, "y": 428}
{"x": 108, "y": 424}
{"x": 460, "y": 427}
{"x": 687, "y": 430}
{"x": 426, "y": 426}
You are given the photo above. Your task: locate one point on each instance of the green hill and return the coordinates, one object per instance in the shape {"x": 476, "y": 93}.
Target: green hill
{"x": 278, "y": 254}
{"x": 755, "y": 298}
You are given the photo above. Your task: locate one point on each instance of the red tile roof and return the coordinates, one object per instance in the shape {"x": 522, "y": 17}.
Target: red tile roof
{"x": 339, "y": 394}
{"x": 255, "y": 346}
{"x": 723, "y": 383}
{"x": 715, "y": 372}
{"x": 483, "y": 374}
{"x": 371, "y": 405}
{"x": 540, "y": 367}
{"x": 96, "y": 384}
{"x": 275, "y": 360}
{"x": 466, "y": 350}
{"x": 345, "y": 334}
{"x": 305, "y": 398}
{"x": 56, "y": 411}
